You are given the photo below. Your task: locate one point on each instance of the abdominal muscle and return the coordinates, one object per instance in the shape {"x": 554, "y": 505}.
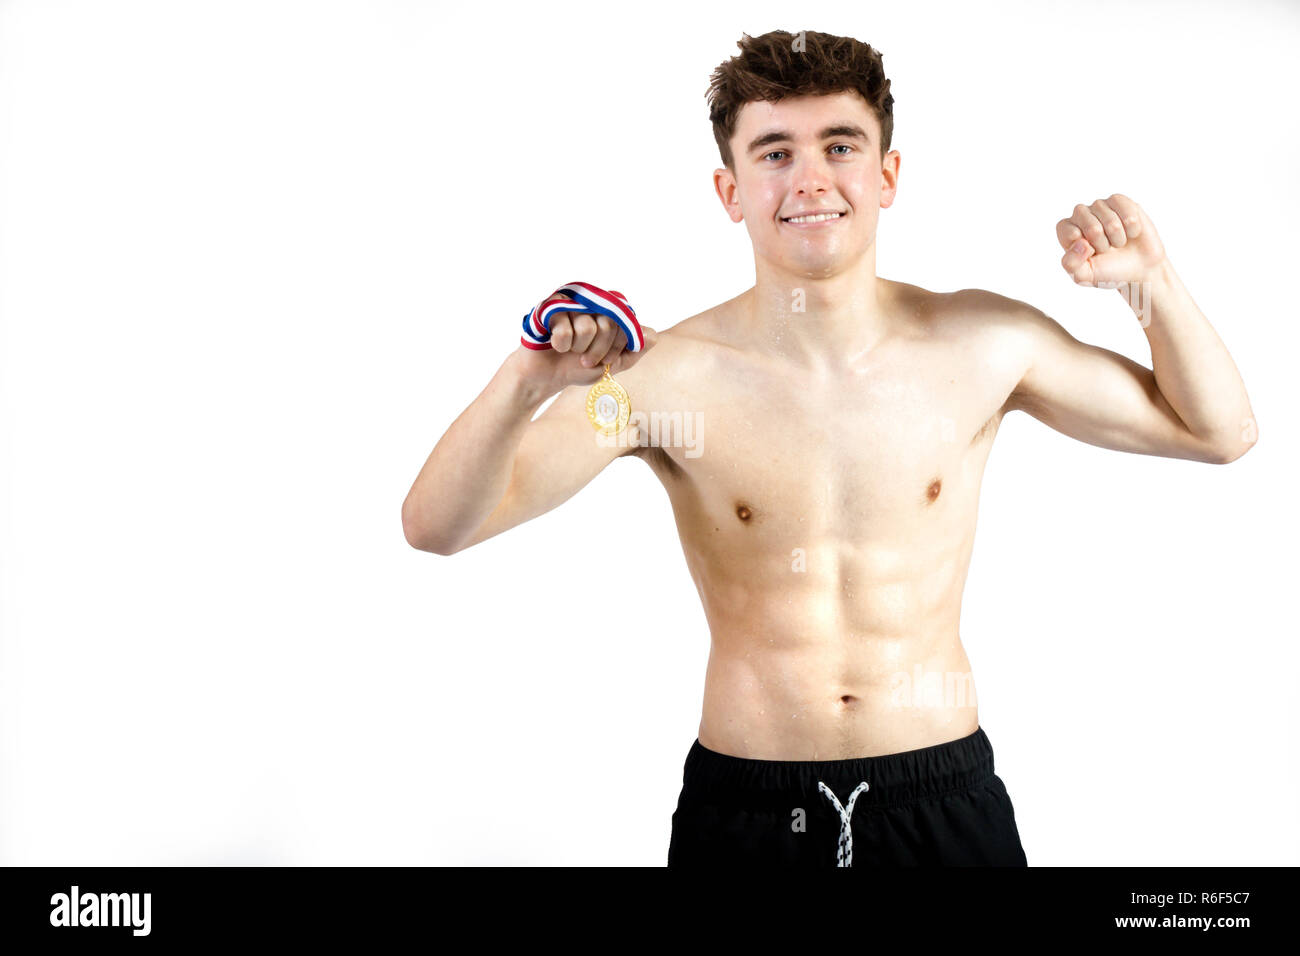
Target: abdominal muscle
{"x": 823, "y": 667}
{"x": 828, "y": 521}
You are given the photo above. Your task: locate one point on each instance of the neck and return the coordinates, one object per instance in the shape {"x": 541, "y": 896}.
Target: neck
{"x": 816, "y": 323}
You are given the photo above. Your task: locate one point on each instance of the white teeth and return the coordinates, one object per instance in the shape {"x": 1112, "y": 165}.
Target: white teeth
{"x": 822, "y": 218}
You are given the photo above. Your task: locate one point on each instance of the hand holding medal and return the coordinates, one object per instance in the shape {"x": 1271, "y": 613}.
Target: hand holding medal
{"x": 592, "y": 327}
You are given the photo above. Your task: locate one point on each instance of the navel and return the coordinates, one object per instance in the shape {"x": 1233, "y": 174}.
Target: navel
{"x": 932, "y": 492}
{"x": 743, "y": 512}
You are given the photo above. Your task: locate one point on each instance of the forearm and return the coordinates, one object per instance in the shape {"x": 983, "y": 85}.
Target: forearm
{"x": 468, "y": 471}
{"x": 1192, "y": 366}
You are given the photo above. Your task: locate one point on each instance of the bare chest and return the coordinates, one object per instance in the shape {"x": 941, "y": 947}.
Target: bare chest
{"x": 869, "y": 454}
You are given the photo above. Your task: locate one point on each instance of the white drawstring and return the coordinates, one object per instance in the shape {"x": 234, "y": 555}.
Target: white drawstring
{"x": 845, "y": 852}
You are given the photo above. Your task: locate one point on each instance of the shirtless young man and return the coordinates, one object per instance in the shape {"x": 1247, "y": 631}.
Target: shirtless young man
{"x": 829, "y": 514}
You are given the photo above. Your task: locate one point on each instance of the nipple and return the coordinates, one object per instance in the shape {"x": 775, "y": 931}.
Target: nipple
{"x": 932, "y": 492}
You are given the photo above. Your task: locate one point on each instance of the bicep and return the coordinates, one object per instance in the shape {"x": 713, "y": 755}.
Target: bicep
{"x": 1095, "y": 395}
{"x": 559, "y": 454}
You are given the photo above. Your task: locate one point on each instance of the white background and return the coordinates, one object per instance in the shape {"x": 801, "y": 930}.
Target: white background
{"x": 256, "y": 257}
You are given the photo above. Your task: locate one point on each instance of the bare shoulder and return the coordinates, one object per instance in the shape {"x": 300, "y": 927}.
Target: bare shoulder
{"x": 993, "y": 336}
{"x": 673, "y": 374}
{"x": 703, "y": 333}
{"x": 1006, "y": 325}
{"x": 686, "y": 348}
{"x": 1019, "y": 332}
{"x": 980, "y": 307}
{"x": 1015, "y": 320}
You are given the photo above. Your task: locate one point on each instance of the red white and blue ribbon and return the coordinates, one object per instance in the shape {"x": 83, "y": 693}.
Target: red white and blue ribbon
{"x": 586, "y": 298}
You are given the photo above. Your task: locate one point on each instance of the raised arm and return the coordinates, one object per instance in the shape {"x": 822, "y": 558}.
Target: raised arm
{"x": 495, "y": 468}
{"x": 1191, "y": 405}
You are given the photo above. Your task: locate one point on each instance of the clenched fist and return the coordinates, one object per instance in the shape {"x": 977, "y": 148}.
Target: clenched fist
{"x": 1109, "y": 243}
{"x": 581, "y": 346}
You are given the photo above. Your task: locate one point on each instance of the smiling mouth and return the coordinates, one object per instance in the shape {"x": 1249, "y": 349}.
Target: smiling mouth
{"x": 821, "y": 217}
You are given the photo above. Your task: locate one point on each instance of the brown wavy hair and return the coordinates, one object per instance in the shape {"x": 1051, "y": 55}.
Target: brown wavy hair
{"x": 770, "y": 67}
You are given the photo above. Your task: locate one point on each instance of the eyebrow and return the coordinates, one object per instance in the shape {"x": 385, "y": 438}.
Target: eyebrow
{"x": 847, "y": 130}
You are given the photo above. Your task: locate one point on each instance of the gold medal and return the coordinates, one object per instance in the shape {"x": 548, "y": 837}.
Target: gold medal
{"x": 608, "y": 406}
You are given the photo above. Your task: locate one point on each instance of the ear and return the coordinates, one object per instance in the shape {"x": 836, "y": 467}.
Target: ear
{"x": 889, "y": 178}
{"x": 724, "y": 181}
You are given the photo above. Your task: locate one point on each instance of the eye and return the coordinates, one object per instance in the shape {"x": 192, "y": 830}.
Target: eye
{"x": 781, "y": 152}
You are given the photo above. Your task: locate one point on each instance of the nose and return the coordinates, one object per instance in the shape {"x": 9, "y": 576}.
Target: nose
{"x": 811, "y": 176}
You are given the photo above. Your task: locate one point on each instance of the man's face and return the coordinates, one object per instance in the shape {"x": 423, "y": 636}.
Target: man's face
{"x": 809, "y": 153}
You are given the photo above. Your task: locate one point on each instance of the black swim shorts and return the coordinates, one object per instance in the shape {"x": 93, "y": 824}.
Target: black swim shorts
{"x": 936, "y": 806}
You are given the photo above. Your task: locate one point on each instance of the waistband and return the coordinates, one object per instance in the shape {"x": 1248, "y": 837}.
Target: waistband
{"x": 896, "y": 778}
